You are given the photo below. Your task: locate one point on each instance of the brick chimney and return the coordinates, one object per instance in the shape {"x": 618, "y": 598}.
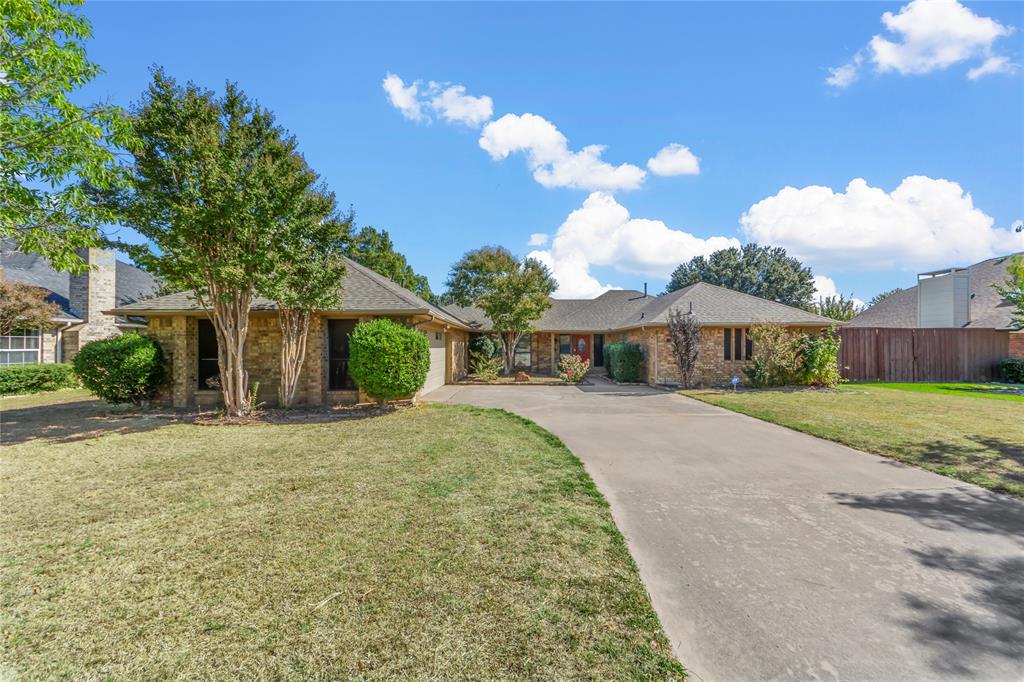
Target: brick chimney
{"x": 92, "y": 292}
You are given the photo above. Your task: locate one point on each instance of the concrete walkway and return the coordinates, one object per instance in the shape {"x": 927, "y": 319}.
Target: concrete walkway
{"x": 770, "y": 554}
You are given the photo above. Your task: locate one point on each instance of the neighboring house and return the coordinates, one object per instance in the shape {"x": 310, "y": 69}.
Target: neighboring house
{"x": 954, "y": 297}
{"x": 584, "y": 327}
{"x": 190, "y": 343}
{"x": 81, "y": 298}
{"x": 952, "y": 326}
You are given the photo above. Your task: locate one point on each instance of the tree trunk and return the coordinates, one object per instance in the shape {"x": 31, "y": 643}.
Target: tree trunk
{"x": 509, "y": 341}
{"x": 294, "y": 330}
{"x": 230, "y": 315}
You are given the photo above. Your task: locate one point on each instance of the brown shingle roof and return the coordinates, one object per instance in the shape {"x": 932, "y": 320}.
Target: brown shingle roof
{"x": 988, "y": 309}
{"x": 362, "y": 290}
{"x": 624, "y": 309}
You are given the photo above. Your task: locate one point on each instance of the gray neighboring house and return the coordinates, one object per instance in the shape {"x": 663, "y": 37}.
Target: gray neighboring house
{"x": 585, "y": 326}
{"x": 82, "y": 299}
{"x": 954, "y": 297}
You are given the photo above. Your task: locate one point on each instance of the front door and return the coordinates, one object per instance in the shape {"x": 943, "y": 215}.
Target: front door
{"x": 581, "y": 346}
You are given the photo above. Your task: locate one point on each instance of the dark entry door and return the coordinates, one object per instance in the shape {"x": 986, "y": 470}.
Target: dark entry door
{"x": 598, "y": 350}
{"x": 581, "y": 346}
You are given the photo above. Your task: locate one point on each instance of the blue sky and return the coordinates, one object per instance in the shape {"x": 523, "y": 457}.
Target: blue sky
{"x": 744, "y": 87}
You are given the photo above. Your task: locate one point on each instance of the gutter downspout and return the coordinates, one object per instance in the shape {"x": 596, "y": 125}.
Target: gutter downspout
{"x": 59, "y": 354}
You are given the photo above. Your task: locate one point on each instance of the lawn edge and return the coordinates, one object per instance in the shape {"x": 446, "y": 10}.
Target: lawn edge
{"x": 984, "y": 483}
{"x": 591, "y": 489}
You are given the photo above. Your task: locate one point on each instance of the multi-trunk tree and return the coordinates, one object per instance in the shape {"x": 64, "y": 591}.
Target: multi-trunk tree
{"x": 47, "y": 141}
{"x": 309, "y": 262}
{"x": 214, "y": 184}
{"x": 513, "y": 293}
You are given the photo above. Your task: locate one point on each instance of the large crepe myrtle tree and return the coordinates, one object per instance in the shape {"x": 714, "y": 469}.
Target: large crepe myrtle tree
{"x": 309, "y": 263}
{"x": 47, "y": 142}
{"x": 684, "y": 334}
{"x": 513, "y": 293}
{"x": 214, "y": 182}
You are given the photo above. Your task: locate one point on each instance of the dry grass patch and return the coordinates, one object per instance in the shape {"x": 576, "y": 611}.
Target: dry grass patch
{"x": 973, "y": 439}
{"x": 434, "y": 542}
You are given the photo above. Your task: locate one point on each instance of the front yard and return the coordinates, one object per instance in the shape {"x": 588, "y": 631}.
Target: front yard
{"x": 950, "y": 429}
{"x": 433, "y": 542}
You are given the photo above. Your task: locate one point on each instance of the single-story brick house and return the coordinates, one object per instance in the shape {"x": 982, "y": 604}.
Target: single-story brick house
{"x": 584, "y": 326}
{"x": 81, "y": 298}
{"x": 188, "y": 338}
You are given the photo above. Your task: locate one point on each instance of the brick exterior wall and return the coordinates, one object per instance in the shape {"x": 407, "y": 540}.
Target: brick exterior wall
{"x": 89, "y": 294}
{"x": 661, "y": 368}
{"x": 1017, "y": 345}
{"x": 542, "y": 353}
{"x": 178, "y": 336}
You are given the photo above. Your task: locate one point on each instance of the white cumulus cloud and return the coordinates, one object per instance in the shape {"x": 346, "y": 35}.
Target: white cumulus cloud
{"x": 549, "y": 157}
{"x": 825, "y": 287}
{"x": 992, "y": 65}
{"x": 538, "y": 239}
{"x": 674, "y": 159}
{"x": 404, "y": 97}
{"x": 924, "y": 223}
{"x": 930, "y": 35}
{"x": 602, "y": 233}
{"x": 455, "y": 106}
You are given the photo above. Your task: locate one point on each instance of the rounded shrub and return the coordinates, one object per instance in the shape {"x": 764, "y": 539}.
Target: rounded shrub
{"x": 122, "y": 369}
{"x": 388, "y": 361}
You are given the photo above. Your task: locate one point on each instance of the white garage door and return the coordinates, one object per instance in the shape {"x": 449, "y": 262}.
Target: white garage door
{"x": 435, "y": 375}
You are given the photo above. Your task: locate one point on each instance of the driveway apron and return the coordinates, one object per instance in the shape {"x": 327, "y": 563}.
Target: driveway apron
{"x": 771, "y": 554}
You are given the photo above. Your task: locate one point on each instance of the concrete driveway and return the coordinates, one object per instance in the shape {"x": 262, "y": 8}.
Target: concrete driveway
{"x": 770, "y": 554}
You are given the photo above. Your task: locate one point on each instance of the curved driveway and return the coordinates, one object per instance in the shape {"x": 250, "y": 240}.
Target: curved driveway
{"x": 770, "y": 554}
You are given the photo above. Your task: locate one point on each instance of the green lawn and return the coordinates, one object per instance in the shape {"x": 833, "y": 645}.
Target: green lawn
{"x": 992, "y": 391}
{"x": 980, "y": 441}
{"x": 435, "y": 542}
{"x": 67, "y": 395}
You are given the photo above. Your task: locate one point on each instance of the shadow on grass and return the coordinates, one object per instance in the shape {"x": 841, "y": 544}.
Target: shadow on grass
{"x": 76, "y": 421}
{"x": 964, "y": 633}
{"x": 88, "y": 419}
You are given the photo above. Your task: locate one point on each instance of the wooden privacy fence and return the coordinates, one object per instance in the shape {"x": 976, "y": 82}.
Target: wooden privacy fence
{"x": 883, "y": 354}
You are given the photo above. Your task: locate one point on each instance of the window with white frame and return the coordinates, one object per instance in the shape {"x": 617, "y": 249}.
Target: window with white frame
{"x": 20, "y": 347}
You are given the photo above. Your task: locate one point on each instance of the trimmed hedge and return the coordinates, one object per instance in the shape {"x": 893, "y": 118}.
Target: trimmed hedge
{"x": 625, "y": 362}
{"x": 15, "y": 379}
{"x": 1012, "y": 370}
{"x": 386, "y": 360}
{"x": 122, "y": 369}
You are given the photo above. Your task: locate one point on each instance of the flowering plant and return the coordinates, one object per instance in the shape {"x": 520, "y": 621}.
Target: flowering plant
{"x": 572, "y": 369}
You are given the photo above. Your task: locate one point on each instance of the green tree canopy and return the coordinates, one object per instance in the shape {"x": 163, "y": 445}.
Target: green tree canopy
{"x": 1012, "y": 289}
{"x": 836, "y": 307}
{"x": 878, "y": 298}
{"x": 513, "y": 293}
{"x": 306, "y": 275}
{"x": 47, "y": 142}
{"x": 216, "y": 186}
{"x": 374, "y": 249}
{"x": 757, "y": 270}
